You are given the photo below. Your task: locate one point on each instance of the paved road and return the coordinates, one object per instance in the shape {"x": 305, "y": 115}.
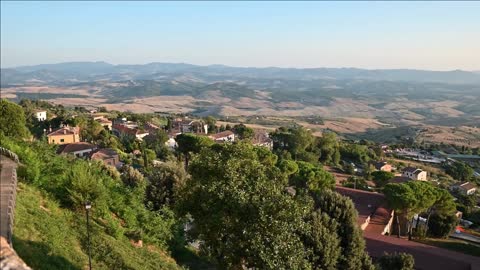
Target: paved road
{"x": 466, "y": 236}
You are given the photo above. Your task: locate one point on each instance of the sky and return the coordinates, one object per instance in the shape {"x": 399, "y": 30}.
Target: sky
{"x": 373, "y": 35}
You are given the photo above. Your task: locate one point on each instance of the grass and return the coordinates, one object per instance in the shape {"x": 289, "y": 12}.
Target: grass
{"x": 454, "y": 245}
{"x": 47, "y": 236}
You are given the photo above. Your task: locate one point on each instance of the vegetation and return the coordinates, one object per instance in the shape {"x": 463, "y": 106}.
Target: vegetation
{"x": 12, "y": 122}
{"x": 235, "y": 194}
{"x": 244, "y": 206}
{"x": 396, "y": 261}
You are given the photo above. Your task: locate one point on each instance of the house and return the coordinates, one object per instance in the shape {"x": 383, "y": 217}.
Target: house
{"x": 79, "y": 149}
{"x": 151, "y": 128}
{"x": 382, "y": 166}
{"x": 415, "y": 173}
{"x": 465, "y": 188}
{"x": 107, "y": 124}
{"x": 124, "y": 129}
{"x": 107, "y": 155}
{"x": 373, "y": 214}
{"x": 190, "y": 126}
{"x": 41, "y": 115}
{"x": 64, "y": 135}
{"x": 224, "y": 136}
{"x": 261, "y": 138}
{"x": 375, "y": 220}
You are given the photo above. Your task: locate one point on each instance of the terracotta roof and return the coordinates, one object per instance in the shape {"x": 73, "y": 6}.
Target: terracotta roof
{"x": 104, "y": 120}
{"x": 467, "y": 186}
{"x": 74, "y": 147}
{"x": 261, "y": 137}
{"x": 221, "y": 134}
{"x": 104, "y": 153}
{"x": 127, "y": 130}
{"x": 365, "y": 202}
{"x": 378, "y": 165}
{"x": 64, "y": 131}
{"x": 379, "y": 219}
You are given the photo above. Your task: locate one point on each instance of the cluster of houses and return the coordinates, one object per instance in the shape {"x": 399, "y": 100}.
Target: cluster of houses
{"x": 70, "y": 142}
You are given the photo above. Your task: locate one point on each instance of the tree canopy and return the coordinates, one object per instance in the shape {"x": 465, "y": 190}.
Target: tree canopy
{"x": 244, "y": 217}
{"x": 12, "y": 122}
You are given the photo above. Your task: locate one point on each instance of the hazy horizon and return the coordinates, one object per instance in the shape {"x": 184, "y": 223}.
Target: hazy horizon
{"x": 436, "y": 36}
{"x": 234, "y": 66}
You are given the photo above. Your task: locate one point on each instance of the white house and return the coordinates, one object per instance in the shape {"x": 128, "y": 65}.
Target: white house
{"x": 415, "y": 174}
{"x": 466, "y": 188}
{"x": 41, "y": 115}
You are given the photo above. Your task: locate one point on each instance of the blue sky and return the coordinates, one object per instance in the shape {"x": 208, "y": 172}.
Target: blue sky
{"x": 422, "y": 35}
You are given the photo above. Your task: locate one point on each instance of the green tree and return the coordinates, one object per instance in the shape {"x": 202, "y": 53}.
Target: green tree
{"x": 381, "y": 178}
{"x": 396, "y": 261}
{"x": 240, "y": 211}
{"x": 295, "y": 140}
{"x": 442, "y": 225}
{"x": 243, "y": 132}
{"x": 400, "y": 198}
{"x": 460, "y": 171}
{"x": 328, "y": 146}
{"x": 189, "y": 143}
{"x": 312, "y": 177}
{"x": 131, "y": 177}
{"x": 84, "y": 186}
{"x": 211, "y": 121}
{"x": 342, "y": 210}
{"x": 12, "y": 120}
{"x": 164, "y": 182}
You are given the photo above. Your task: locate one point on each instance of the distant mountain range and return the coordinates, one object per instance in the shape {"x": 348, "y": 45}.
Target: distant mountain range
{"x": 72, "y": 72}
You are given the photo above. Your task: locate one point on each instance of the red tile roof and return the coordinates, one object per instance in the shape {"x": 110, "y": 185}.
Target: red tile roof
{"x": 365, "y": 202}
{"x": 75, "y": 147}
{"x": 104, "y": 153}
{"x": 64, "y": 131}
{"x": 221, "y": 134}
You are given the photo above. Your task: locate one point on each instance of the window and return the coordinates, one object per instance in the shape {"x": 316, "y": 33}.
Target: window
{"x": 62, "y": 140}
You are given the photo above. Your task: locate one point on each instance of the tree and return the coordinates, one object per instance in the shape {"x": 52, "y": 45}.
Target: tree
{"x": 312, "y": 177}
{"x": 164, "y": 183}
{"x": 355, "y": 152}
{"x": 131, "y": 177}
{"x": 328, "y": 146}
{"x": 460, "y": 171}
{"x": 444, "y": 205}
{"x": 240, "y": 212}
{"x": 381, "y": 178}
{"x": 83, "y": 185}
{"x": 12, "y": 121}
{"x": 396, "y": 261}
{"x": 243, "y": 132}
{"x": 295, "y": 140}
{"x": 342, "y": 210}
{"x": 400, "y": 198}
{"x": 243, "y": 216}
{"x": 442, "y": 225}
{"x": 189, "y": 143}
{"x": 211, "y": 121}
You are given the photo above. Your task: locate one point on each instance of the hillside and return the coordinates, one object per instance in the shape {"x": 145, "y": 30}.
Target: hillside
{"x": 47, "y": 236}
